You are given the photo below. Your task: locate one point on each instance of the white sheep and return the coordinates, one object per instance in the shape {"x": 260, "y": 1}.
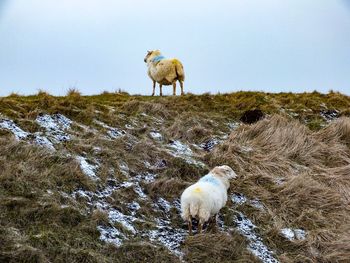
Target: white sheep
{"x": 164, "y": 71}
{"x": 205, "y": 198}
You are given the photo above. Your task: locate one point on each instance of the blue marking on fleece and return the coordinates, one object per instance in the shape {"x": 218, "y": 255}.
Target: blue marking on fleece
{"x": 210, "y": 179}
{"x": 158, "y": 58}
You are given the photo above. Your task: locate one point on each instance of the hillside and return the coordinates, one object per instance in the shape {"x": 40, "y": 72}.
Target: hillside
{"x": 98, "y": 178}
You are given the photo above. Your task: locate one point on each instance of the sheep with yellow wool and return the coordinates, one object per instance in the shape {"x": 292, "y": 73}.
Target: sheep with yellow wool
{"x": 205, "y": 198}
{"x": 164, "y": 71}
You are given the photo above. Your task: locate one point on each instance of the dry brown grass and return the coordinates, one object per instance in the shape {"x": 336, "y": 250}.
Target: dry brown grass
{"x": 219, "y": 247}
{"x": 315, "y": 167}
{"x": 39, "y": 227}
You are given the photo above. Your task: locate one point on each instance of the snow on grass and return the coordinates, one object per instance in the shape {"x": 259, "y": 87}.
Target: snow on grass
{"x": 257, "y": 204}
{"x": 240, "y": 199}
{"x": 12, "y": 127}
{"x": 134, "y": 207}
{"x": 233, "y": 125}
{"x": 139, "y": 191}
{"x": 256, "y": 245}
{"x": 111, "y": 131}
{"x": 55, "y": 125}
{"x": 178, "y": 149}
{"x": 110, "y": 235}
{"x": 124, "y": 168}
{"x": 168, "y": 236}
{"x": 100, "y": 200}
{"x": 164, "y": 204}
{"x": 209, "y": 145}
{"x": 116, "y": 216}
{"x": 293, "y": 234}
{"x": 245, "y": 226}
{"x": 146, "y": 177}
{"x": 165, "y": 233}
{"x": 156, "y": 135}
{"x": 87, "y": 169}
{"x": 44, "y": 142}
{"x": 23, "y": 135}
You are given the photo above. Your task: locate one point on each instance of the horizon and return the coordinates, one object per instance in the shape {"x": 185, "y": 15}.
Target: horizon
{"x": 96, "y": 46}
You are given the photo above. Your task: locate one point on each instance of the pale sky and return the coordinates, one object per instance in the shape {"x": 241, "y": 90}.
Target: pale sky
{"x": 225, "y": 45}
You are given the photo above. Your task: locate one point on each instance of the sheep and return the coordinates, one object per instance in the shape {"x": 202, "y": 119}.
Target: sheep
{"x": 205, "y": 198}
{"x": 164, "y": 71}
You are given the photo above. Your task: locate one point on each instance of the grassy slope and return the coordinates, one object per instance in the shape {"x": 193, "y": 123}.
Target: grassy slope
{"x": 313, "y": 162}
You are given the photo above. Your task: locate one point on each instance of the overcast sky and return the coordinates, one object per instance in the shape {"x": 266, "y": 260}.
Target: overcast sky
{"x": 225, "y": 45}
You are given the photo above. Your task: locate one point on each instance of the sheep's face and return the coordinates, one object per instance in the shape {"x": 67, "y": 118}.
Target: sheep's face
{"x": 225, "y": 172}
{"x": 149, "y": 53}
{"x": 230, "y": 174}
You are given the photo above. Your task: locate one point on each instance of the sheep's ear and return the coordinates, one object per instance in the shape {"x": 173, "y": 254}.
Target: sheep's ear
{"x": 149, "y": 51}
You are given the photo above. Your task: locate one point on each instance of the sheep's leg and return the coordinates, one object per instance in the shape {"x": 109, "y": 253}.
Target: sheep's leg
{"x": 154, "y": 88}
{"x": 174, "y": 88}
{"x": 190, "y": 225}
{"x": 215, "y": 221}
{"x": 182, "y": 87}
{"x": 160, "y": 88}
{"x": 200, "y": 226}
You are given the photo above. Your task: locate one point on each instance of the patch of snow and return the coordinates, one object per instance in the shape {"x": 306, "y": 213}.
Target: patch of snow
{"x": 139, "y": 191}
{"x": 112, "y": 132}
{"x": 287, "y": 233}
{"x": 63, "y": 121}
{"x": 169, "y": 237}
{"x": 178, "y": 149}
{"x": 115, "y": 216}
{"x": 97, "y": 149}
{"x": 238, "y": 198}
{"x": 164, "y": 204}
{"x": 22, "y": 135}
{"x": 146, "y": 177}
{"x": 134, "y": 206}
{"x": 87, "y": 169}
{"x": 279, "y": 180}
{"x": 110, "y": 235}
{"x": 257, "y": 204}
{"x": 209, "y": 145}
{"x": 12, "y": 127}
{"x": 43, "y": 141}
{"x": 156, "y": 135}
{"x": 293, "y": 234}
{"x": 126, "y": 184}
{"x": 83, "y": 193}
{"x": 160, "y": 164}
{"x": 55, "y": 125}
{"x": 246, "y": 149}
{"x": 256, "y": 245}
{"x": 165, "y": 233}
{"x": 124, "y": 168}
{"x": 233, "y": 125}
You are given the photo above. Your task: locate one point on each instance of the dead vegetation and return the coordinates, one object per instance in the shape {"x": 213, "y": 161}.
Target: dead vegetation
{"x": 314, "y": 171}
{"x": 296, "y": 163}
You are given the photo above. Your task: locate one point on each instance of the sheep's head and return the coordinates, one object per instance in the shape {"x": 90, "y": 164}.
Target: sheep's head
{"x": 151, "y": 54}
{"x": 225, "y": 173}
